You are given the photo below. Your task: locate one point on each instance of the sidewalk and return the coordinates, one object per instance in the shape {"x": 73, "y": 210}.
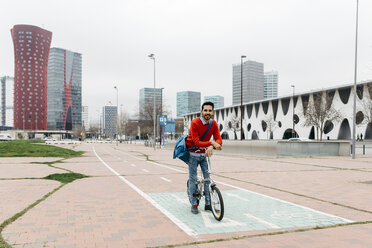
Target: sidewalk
{"x": 103, "y": 211}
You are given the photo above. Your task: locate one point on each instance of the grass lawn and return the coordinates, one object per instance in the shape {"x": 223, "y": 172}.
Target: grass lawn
{"x": 30, "y": 148}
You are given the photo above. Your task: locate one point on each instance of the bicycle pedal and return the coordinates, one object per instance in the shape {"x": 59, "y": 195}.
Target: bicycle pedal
{"x": 196, "y": 194}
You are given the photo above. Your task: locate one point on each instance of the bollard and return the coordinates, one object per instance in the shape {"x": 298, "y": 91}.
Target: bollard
{"x": 364, "y": 149}
{"x": 351, "y": 149}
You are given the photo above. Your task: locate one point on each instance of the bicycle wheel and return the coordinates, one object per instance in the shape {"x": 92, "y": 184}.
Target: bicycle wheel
{"x": 217, "y": 203}
{"x": 188, "y": 194}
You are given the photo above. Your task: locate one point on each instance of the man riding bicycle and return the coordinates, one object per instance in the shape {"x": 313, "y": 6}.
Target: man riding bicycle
{"x": 200, "y": 149}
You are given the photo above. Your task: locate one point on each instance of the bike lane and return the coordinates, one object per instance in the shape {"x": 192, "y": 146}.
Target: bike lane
{"x": 245, "y": 211}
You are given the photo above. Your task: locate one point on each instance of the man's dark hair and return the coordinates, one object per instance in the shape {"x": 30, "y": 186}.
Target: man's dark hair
{"x": 209, "y": 104}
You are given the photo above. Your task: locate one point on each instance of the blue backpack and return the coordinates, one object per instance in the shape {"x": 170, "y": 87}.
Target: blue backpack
{"x": 180, "y": 150}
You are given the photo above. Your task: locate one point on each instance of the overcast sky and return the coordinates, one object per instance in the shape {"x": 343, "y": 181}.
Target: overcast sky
{"x": 309, "y": 42}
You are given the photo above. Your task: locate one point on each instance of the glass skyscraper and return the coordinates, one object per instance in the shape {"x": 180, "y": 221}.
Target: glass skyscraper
{"x": 64, "y": 89}
{"x": 188, "y": 102}
{"x": 109, "y": 114}
{"x": 271, "y": 84}
{"x": 218, "y": 101}
{"x": 253, "y": 82}
{"x": 6, "y": 101}
{"x": 146, "y": 102}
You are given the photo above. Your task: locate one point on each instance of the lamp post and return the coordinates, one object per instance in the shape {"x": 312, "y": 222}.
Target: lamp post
{"x": 152, "y": 56}
{"x": 117, "y": 109}
{"x": 293, "y": 113}
{"x": 241, "y": 96}
{"x": 355, "y": 79}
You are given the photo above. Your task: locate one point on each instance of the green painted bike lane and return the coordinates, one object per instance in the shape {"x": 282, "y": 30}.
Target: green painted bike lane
{"x": 244, "y": 211}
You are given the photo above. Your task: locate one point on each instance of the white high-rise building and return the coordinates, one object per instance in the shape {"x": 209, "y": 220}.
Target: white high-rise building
{"x": 109, "y": 114}
{"x": 6, "y": 101}
{"x": 271, "y": 84}
{"x": 253, "y": 82}
{"x": 218, "y": 101}
{"x": 188, "y": 102}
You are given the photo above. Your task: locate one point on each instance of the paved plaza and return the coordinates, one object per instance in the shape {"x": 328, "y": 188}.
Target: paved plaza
{"x": 136, "y": 197}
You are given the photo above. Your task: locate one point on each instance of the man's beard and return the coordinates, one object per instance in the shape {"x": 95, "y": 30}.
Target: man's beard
{"x": 207, "y": 116}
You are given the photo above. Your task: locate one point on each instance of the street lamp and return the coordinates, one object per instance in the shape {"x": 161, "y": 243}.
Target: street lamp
{"x": 355, "y": 79}
{"x": 241, "y": 96}
{"x": 152, "y": 56}
{"x": 293, "y": 113}
{"x": 117, "y": 109}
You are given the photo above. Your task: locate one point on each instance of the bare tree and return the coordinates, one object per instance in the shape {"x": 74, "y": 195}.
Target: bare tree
{"x": 367, "y": 110}
{"x": 77, "y": 132}
{"x": 94, "y": 129}
{"x": 147, "y": 118}
{"x": 271, "y": 124}
{"x": 233, "y": 124}
{"x": 319, "y": 111}
{"x": 123, "y": 122}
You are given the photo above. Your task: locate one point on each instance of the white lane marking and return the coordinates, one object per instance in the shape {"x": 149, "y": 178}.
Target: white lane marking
{"x": 176, "y": 221}
{"x": 168, "y": 167}
{"x": 166, "y": 179}
{"x": 286, "y": 202}
{"x": 142, "y": 159}
{"x": 133, "y": 165}
{"x": 273, "y": 198}
{"x": 237, "y": 196}
{"x": 144, "y": 170}
{"x": 217, "y": 224}
{"x": 262, "y": 221}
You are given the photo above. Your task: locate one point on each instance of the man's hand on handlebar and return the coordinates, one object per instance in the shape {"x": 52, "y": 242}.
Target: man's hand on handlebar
{"x": 209, "y": 151}
{"x": 216, "y": 145}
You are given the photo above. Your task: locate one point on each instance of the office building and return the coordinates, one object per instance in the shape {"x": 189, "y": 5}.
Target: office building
{"x": 64, "y": 89}
{"x": 109, "y": 114}
{"x": 188, "y": 102}
{"x": 218, "y": 101}
{"x": 84, "y": 117}
{"x": 146, "y": 102}
{"x": 31, "y": 53}
{"x": 6, "y": 101}
{"x": 270, "y": 84}
{"x": 253, "y": 82}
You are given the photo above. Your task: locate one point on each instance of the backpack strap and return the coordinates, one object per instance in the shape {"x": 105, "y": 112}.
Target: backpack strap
{"x": 209, "y": 127}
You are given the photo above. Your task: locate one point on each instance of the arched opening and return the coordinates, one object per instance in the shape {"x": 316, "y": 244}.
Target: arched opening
{"x": 285, "y": 105}
{"x": 296, "y": 119}
{"x": 288, "y": 134}
{"x": 249, "y": 126}
{"x": 221, "y": 127}
{"x": 68, "y": 124}
{"x": 344, "y": 94}
{"x": 368, "y": 134}
{"x": 275, "y": 108}
{"x": 305, "y": 102}
{"x": 359, "y": 117}
{"x": 225, "y": 135}
{"x": 271, "y": 135}
{"x": 328, "y": 126}
{"x": 265, "y": 107}
{"x": 249, "y": 110}
{"x": 344, "y": 132}
{"x": 264, "y": 125}
{"x": 312, "y": 133}
{"x": 254, "y": 135}
{"x": 257, "y": 108}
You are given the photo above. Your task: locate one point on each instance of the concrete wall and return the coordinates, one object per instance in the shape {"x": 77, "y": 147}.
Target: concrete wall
{"x": 281, "y": 148}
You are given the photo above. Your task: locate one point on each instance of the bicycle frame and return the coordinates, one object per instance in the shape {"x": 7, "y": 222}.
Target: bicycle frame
{"x": 201, "y": 181}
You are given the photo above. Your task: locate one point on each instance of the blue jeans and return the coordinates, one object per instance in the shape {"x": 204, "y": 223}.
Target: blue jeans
{"x": 194, "y": 161}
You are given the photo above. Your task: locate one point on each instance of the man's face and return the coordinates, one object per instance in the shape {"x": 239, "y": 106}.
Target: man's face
{"x": 207, "y": 112}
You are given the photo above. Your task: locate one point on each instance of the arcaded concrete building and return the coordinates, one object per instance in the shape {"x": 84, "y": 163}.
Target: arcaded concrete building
{"x": 284, "y": 111}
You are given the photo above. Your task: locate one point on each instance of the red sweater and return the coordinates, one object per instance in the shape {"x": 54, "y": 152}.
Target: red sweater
{"x": 197, "y": 129}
